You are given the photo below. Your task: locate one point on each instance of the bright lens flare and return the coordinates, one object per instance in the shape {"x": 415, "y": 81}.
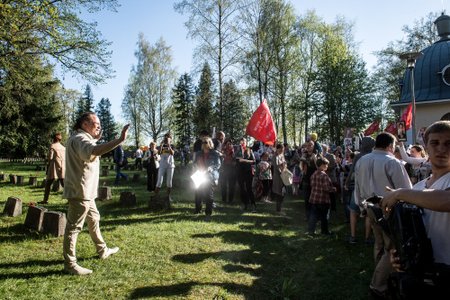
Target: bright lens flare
{"x": 199, "y": 177}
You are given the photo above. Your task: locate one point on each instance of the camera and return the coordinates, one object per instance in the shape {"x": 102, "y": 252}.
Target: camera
{"x": 406, "y": 229}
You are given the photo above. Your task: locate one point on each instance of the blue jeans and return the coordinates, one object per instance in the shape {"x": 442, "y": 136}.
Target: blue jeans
{"x": 318, "y": 212}
{"x": 119, "y": 174}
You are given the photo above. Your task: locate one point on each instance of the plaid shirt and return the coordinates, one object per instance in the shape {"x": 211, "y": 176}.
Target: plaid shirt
{"x": 321, "y": 187}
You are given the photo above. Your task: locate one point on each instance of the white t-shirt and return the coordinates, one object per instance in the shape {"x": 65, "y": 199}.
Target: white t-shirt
{"x": 139, "y": 153}
{"x": 437, "y": 224}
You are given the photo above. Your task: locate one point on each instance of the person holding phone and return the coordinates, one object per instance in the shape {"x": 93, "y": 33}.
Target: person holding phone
{"x": 166, "y": 164}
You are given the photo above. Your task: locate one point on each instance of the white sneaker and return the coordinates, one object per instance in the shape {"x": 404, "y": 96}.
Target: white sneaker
{"x": 108, "y": 252}
{"x": 77, "y": 270}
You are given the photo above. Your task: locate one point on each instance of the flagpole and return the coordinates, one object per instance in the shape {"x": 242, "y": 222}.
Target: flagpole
{"x": 410, "y": 58}
{"x": 413, "y": 101}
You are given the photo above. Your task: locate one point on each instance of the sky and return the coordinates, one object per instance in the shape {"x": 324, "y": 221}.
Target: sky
{"x": 376, "y": 23}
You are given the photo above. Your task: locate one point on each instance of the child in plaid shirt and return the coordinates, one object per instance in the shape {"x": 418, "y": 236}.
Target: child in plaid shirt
{"x": 321, "y": 187}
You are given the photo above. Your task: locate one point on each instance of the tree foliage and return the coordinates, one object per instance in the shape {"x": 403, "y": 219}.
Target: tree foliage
{"x": 107, "y": 122}
{"x": 148, "y": 94}
{"x": 204, "y": 117}
{"x": 215, "y": 25}
{"x": 34, "y": 37}
{"x": 236, "y": 112}
{"x": 85, "y": 102}
{"x": 183, "y": 101}
{"x": 52, "y": 30}
{"x": 29, "y": 112}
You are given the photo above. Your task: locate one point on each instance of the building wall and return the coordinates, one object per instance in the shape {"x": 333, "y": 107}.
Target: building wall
{"x": 428, "y": 113}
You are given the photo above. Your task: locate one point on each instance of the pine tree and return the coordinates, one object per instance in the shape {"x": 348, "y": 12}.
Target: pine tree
{"x": 106, "y": 120}
{"x": 183, "y": 96}
{"x": 86, "y": 101}
{"x": 204, "y": 113}
{"x": 236, "y": 112}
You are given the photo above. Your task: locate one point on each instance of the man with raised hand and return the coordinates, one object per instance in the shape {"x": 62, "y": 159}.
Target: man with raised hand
{"x": 81, "y": 185}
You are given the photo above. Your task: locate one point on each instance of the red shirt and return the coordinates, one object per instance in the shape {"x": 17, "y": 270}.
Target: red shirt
{"x": 321, "y": 187}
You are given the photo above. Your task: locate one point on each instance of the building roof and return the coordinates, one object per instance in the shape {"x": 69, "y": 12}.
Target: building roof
{"x": 432, "y": 70}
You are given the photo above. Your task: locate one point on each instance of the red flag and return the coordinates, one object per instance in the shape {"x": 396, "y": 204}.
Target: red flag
{"x": 261, "y": 125}
{"x": 391, "y": 128}
{"x": 372, "y": 128}
{"x": 407, "y": 116}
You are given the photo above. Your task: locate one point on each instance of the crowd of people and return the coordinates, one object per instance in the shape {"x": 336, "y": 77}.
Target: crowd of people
{"x": 322, "y": 175}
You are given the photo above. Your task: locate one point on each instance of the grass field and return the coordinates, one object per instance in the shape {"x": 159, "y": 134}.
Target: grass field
{"x": 175, "y": 254}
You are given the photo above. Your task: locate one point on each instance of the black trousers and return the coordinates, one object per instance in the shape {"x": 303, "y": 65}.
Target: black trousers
{"x": 48, "y": 185}
{"x": 227, "y": 180}
{"x": 152, "y": 177}
{"x": 245, "y": 186}
{"x": 205, "y": 193}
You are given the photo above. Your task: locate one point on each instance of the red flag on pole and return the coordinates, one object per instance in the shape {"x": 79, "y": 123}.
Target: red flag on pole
{"x": 261, "y": 125}
{"x": 372, "y": 128}
{"x": 391, "y": 128}
{"x": 407, "y": 116}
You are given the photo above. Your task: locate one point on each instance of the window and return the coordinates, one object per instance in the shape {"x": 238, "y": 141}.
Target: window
{"x": 446, "y": 75}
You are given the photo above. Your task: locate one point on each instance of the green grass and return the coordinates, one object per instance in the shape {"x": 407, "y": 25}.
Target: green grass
{"x": 178, "y": 255}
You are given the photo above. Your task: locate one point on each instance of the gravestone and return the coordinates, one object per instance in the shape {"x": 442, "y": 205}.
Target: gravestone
{"x": 104, "y": 193}
{"x": 20, "y": 180}
{"x": 105, "y": 171}
{"x": 158, "y": 202}
{"x": 13, "y": 207}
{"x": 12, "y": 179}
{"x": 54, "y": 223}
{"x": 33, "y": 181}
{"x": 127, "y": 199}
{"x": 35, "y": 217}
{"x": 136, "y": 177}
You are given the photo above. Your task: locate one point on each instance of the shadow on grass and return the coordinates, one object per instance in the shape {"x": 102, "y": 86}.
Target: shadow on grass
{"x": 18, "y": 233}
{"x": 31, "y": 263}
{"x": 183, "y": 289}
{"x": 7, "y": 274}
{"x": 24, "y": 275}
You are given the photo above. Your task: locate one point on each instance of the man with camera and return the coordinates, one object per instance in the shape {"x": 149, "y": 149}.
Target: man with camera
{"x": 433, "y": 195}
{"x": 373, "y": 172}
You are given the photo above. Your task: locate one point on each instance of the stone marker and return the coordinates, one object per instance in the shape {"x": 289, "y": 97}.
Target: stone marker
{"x": 35, "y": 216}
{"x": 13, "y": 207}
{"x": 20, "y": 180}
{"x": 136, "y": 177}
{"x": 12, "y": 179}
{"x": 33, "y": 181}
{"x": 104, "y": 193}
{"x": 127, "y": 199}
{"x": 54, "y": 223}
{"x": 159, "y": 202}
{"x": 105, "y": 171}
